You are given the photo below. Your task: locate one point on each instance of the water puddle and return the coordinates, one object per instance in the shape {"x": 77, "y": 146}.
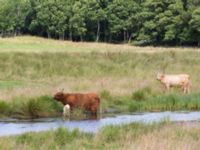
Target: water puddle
{"x": 14, "y": 127}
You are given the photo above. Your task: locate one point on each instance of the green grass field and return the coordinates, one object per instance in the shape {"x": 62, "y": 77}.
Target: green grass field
{"x": 165, "y": 136}
{"x": 32, "y": 69}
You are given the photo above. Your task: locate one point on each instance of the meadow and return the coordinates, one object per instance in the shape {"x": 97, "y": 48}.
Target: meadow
{"x": 163, "y": 136}
{"x": 32, "y": 69}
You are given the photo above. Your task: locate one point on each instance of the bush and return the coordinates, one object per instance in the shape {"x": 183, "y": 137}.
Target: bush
{"x": 4, "y": 108}
{"x": 142, "y": 42}
{"x": 142, "y": 94}
{"x": 135, "y": 106}
{"x": 105, "y": 94}
{"x": 44, "y": 106}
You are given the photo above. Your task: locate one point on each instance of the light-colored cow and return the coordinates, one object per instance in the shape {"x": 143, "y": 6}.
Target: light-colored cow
{"x": 169, "y": 80}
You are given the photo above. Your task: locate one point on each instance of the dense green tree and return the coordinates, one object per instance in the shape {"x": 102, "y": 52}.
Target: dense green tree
{"x": 195, "y": 25}
{"x": 168, "y": 22}
{"x": 165, "y": 22}
{"x": 96, "y": 14}
{"x": 121, "y": 17}
{"x": 12, "y": 15}
{"x": 50, "y": 15}
{"x": 174, "y": 24}
{"x": 77, "y": 25}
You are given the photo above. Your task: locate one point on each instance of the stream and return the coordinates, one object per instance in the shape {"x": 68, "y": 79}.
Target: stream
{"x": 10, "y": 126}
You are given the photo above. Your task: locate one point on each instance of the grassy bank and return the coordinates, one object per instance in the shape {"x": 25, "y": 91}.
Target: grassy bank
{"x": 32, "y": 69}
{"x": 138, "y": 101}
{"x": 133, "y": 136}
{"x": 145, "y": 100}
{"x": 23, "y": 107}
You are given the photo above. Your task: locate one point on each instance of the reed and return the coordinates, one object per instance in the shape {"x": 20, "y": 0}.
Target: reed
{"x": 45, "y": 106}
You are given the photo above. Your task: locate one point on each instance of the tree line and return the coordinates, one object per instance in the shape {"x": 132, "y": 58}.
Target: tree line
{"x": 142, "y": 22}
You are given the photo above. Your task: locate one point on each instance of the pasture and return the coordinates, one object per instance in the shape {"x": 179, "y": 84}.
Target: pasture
{"x": 32, "y": 69}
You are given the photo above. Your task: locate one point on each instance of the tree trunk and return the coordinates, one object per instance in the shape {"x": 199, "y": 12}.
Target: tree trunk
{"x": 110, "y": 38}
{"x": 127, "y": 36}
{"x": 48, "y": 34}
{"x": 81, "y": 37}
{"x": 124, "y": 36}
{"x": 130, "y": 37}
{"x": 70, "y": 35}
{"x": 1, "y": 35}
{"x": 19, "y": 32}
{"x": 15, "y": 33}
{"x": 98, "y": 31}
{"x": 62, "y": 36}
{"x": 105, "y": 33}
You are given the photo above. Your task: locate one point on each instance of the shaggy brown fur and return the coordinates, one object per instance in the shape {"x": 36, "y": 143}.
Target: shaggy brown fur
{"x": 89, "y": 102}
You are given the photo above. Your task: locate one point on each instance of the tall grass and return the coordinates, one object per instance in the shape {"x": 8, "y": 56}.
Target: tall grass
{"x": 120, "y": 73}
{"x": 147, "y": 100}
{"x": 62, "y": 138}
{"x": 124, "y": 79}
{"x": 45, "y": 106}
{"x": 163, "y": 135}
{"x": 35, "y": 66}
{"x": 23, "y": 107}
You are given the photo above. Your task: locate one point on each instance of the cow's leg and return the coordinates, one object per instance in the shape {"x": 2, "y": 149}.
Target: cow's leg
{"x": 167, "y": 86}
{"x": 188, "y": 88}
{"x": 164, "y": 87}
{"x": 182, "y": 88}
{"x": 66, "y": 112}
{"x": 94, "y": 113}
{"x": 185, "y": 88}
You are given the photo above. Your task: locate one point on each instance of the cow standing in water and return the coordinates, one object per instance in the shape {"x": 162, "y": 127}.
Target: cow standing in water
{"x": 89, "y": 102}
{"x": 181, "y": 80}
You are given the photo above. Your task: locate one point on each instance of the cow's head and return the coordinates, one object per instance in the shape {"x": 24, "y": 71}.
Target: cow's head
{"x": 160, "y": 76}
{"x": 59, "y": 95}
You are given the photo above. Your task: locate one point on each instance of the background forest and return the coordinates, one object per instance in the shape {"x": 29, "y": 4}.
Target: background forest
{"x": 141, "y": 22}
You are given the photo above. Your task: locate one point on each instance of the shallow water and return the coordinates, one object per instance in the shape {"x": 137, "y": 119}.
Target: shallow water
{"x": 13, "y": 126}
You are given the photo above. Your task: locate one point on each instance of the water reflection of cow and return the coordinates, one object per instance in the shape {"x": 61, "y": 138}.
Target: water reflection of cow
{"x": 89, "y": 102}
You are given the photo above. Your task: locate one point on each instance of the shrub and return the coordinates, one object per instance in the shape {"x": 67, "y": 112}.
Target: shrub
{"x": 43, "y": 106}
{"x": 142, "y": 94}
{"x": 105, "y": 94}
{"x": 4, "y": 108}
